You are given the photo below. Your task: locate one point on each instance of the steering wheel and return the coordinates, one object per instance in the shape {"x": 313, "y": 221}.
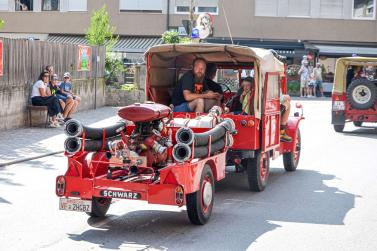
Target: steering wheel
{"x": 227, "y": 93}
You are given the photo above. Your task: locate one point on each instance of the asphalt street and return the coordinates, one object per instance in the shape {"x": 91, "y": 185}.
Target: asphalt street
{"x": 329, "y": 203}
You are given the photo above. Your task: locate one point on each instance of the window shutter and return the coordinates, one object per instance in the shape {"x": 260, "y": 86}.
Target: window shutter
{"x": 77, "y": 5}
{"x": 140, "y": 5}
{"x": 299, "y": 8}
{"x": 332, "y": 8}
{"x": 4, "y": 5}
{"x": 266, "y": 8}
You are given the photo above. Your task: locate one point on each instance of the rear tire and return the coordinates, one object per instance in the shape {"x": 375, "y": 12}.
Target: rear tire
{"x": 339, "y": 128}
{"x": 100, "y": 206}
{"x": 258, "y": 169}
{"x": 291, "y": 159}
{"x": 362, "y": 94}
{"x": 199, "y": 204}
{"x": 358, "y": 123}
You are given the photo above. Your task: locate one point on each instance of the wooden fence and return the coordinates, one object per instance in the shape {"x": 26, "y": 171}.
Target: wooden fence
{"x": 23, "y": 61}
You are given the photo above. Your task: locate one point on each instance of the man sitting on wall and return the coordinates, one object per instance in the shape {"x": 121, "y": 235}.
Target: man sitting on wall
{"x": 192, "y": 93}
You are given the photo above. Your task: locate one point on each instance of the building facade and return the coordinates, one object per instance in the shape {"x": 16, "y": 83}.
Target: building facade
{"x": 323, "y": 28}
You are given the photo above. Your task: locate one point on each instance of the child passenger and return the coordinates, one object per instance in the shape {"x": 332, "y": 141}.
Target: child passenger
{"x": 242, "y": 102}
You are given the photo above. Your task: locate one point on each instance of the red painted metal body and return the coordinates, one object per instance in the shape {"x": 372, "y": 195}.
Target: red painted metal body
{"x": 144, "y": 112}
{"x": 351, "y": 114}
{"x": 86, "y": 178}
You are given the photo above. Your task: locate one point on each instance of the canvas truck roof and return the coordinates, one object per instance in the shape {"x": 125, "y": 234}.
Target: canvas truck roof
{"x": 341, "y": 66}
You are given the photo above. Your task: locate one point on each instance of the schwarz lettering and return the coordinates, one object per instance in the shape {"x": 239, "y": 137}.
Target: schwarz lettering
{"x": 121, "y": 194}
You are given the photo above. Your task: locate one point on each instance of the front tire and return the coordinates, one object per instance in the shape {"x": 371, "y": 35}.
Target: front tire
{"x": 258, "y": 169}
{"x": 291, "y": 159}
{"x": 100, "y": 206}
{"x": 199, "y": 204}
{"x": 339, "y": 128}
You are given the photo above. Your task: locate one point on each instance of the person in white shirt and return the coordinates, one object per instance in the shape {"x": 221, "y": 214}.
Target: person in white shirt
{"x": 40, "y": 97}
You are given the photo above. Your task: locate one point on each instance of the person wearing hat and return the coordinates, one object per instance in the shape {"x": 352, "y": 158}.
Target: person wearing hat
{"x": 67, "y": 105}
{"x": 66, "y": 88}
{"x": 304, "y": 78}
{"x": 317, "y": 72}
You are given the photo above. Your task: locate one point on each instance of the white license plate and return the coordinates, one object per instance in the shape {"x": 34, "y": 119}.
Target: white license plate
{"x": 75, "y": 205}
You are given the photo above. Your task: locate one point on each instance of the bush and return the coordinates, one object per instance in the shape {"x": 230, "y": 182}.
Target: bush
{"x": 172, "y": 37}
{"x": 293, "y": 88}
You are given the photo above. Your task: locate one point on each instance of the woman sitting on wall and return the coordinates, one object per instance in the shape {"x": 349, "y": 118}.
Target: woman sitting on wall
{"x": 40, "y": 97}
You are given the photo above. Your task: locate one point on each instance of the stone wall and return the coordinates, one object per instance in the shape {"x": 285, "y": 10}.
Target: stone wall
{"x": 116, "y": 97}
{"x": 14, "y": 101}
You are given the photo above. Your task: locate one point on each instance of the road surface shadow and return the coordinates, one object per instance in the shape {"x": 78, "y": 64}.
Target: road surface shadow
{"x": 238, "y": 219}
{"x": 364, "y": 131}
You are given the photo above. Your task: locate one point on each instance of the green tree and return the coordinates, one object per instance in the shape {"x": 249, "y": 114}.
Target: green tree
{"x": 172, "y": 37}
{"x": 100, "y": 32}
{"x": 2, "y": 23}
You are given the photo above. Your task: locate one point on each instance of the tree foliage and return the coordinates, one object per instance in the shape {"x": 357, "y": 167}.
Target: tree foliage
{"x": 2, "y": 23}
{"x": 172, "y": 37}
{"x": 100, "y": 32}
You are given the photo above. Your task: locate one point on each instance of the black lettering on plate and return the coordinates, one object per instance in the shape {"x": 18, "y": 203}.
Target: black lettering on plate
{"x": 121, "y": 194}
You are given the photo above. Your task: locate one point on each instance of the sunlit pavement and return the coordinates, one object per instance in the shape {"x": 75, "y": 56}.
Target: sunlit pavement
{"x": 329, "y": 203}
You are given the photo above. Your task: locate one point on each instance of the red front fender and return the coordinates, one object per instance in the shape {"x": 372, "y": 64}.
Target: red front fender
{"x": 292, "y": 130}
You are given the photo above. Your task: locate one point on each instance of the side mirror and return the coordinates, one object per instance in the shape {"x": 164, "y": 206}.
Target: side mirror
{"x": 298, "y": 105}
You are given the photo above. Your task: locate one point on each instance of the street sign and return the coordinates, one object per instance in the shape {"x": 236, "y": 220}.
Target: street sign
{"x": 195, "y": 33}
{"x": 182, "y": 31}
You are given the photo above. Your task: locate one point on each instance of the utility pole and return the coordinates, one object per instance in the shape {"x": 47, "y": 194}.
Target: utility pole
{"x": 192, "y": 12}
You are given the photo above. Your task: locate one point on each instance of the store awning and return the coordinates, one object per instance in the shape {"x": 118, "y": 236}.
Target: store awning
{"x": 129, "y": 44}
{"x": 344, "y": 51}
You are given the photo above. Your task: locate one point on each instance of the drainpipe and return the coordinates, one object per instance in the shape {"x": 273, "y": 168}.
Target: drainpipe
{"x": 168, "y": 15}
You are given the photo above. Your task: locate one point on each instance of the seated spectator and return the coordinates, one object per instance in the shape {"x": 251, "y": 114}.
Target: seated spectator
{"x": 68, "y": 105}
{"x": 66, "y": 89}
{"x": 40, "y": 97}
{"x": 242, "y": 102}
{"x": 212, "y": 85}
{"x": 192, "y": 93}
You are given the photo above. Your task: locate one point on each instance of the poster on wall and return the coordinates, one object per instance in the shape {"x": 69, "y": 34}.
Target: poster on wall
{"x": 83, "y": 58}
{"x": 1, "y": 57}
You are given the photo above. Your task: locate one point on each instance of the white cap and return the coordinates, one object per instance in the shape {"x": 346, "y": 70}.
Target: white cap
{"x": 67, "y": 74}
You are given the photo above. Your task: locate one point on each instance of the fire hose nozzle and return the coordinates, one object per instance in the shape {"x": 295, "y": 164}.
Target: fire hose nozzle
{"x": 181, "y": 152}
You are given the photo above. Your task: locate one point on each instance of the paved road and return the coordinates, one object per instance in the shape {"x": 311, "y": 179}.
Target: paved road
{"x": 329, "y": 203}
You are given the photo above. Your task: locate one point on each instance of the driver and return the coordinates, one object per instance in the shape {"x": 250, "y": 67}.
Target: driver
{"x": 212, "y": 85}
{"x": 192, "y": 93}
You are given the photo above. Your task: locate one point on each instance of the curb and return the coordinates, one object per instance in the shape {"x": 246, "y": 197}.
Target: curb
{"x": 29, "y": 158}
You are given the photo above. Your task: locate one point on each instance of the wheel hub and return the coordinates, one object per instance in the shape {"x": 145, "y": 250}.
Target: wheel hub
{"x": 361, "y": 94}
{"x": 207, "y": 194}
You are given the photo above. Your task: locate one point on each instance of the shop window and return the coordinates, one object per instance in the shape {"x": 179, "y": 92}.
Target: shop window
{"x": 332, "y": 8}
{"x": 24, "y": 5}
{"x": 299, "y": 8}
{"x": 267, "y": 8}
{"x": 77, "y": 5}
{"x": 182, "y": 9}
{"x": 155, "y": 6}
{"x": 364, "y": 9}
{"x": 50, "y": 5}
{"x": 202, "y": 9}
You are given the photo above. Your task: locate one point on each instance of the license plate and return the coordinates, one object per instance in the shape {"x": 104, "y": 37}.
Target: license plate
{"x": 338, "y": 106}
{"x": 75, "y": 205}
